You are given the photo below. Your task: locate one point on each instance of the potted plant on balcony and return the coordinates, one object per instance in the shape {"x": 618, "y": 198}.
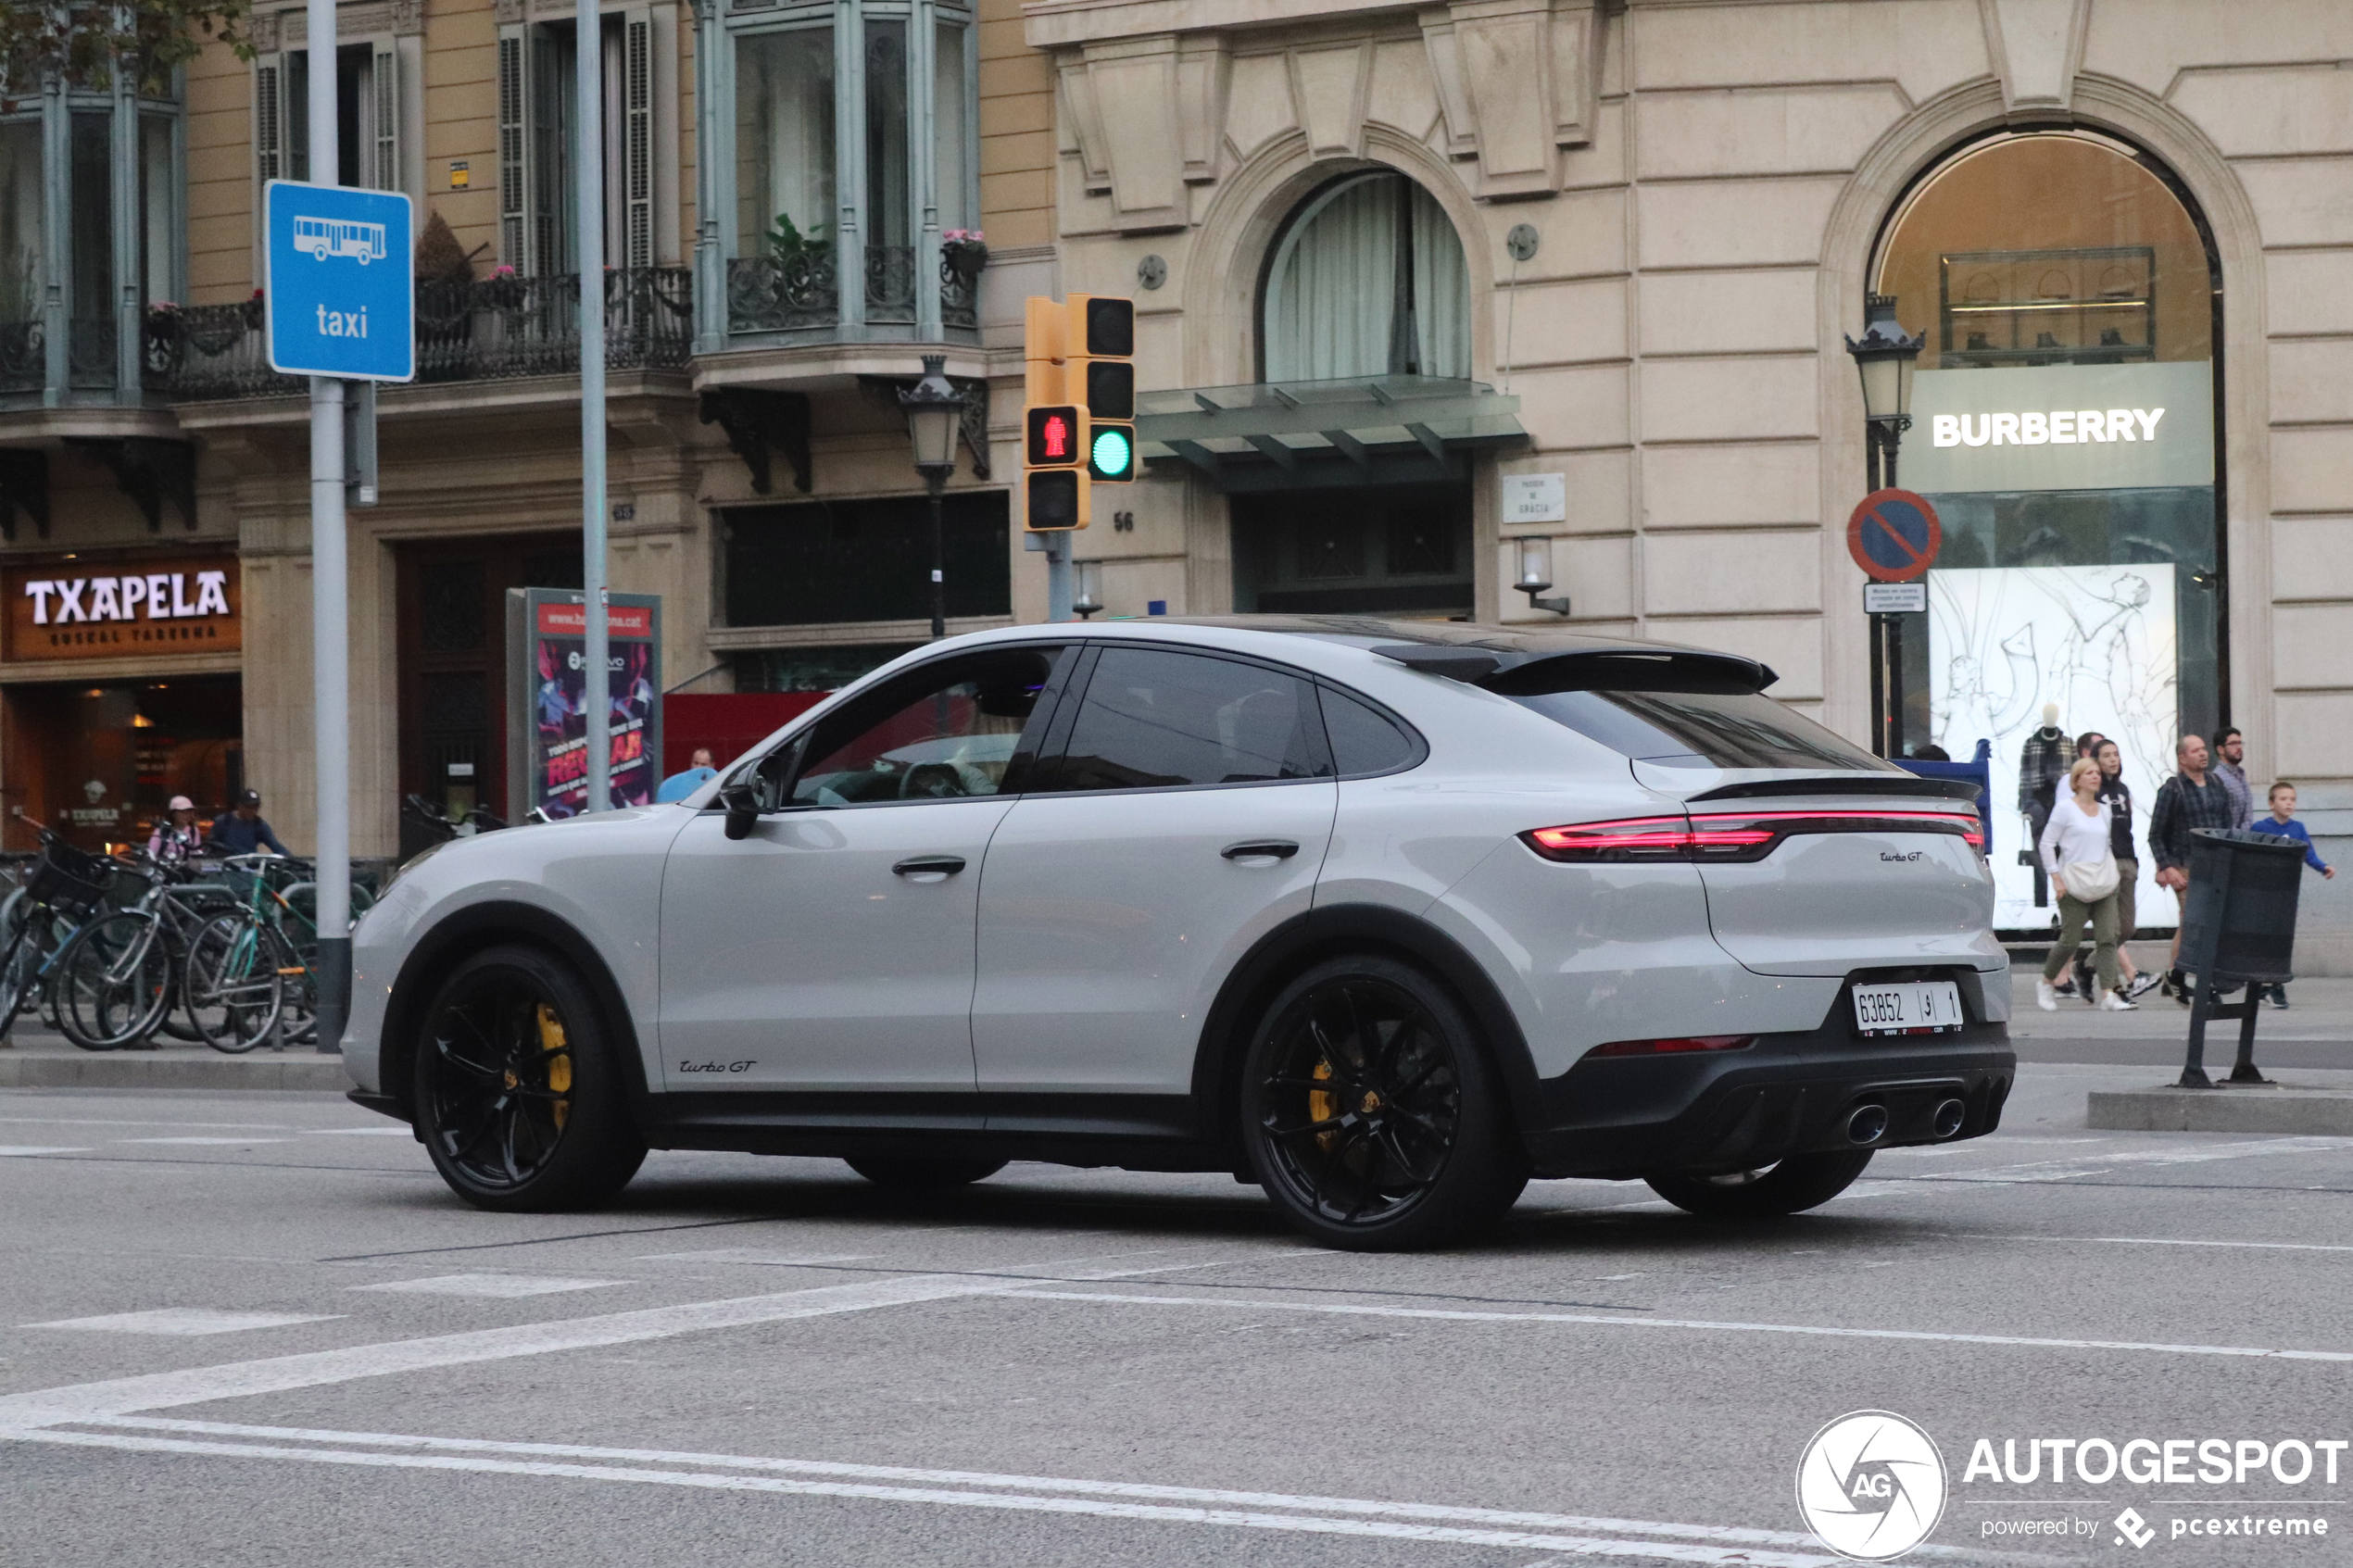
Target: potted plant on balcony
{"x": 961, "y": 255}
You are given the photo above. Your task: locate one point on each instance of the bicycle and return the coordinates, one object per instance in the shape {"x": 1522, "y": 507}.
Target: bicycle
{"x": 66, "y": 887}
{"x": 252, "y": 971}
{"x": 120, "y": 975}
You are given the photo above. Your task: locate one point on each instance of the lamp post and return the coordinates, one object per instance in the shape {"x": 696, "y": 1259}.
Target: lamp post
{"x": 1536, "y": 575}
{"x": 934, "y": 408}
{"x": 1885, "y": 358}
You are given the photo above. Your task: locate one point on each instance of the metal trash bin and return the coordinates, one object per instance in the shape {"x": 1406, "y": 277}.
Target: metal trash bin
{"x": 2238, "y": 928}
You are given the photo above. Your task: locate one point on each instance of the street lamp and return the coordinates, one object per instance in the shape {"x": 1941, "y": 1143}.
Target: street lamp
{"x": 1885, "y": 358}
{"x": 1536, "y": 575}
{"x": 934, "y": 410}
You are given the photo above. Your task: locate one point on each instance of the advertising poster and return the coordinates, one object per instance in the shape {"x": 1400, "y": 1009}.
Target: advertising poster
{"x": 2099, "y": 642}
{"x": 550, "y": 694}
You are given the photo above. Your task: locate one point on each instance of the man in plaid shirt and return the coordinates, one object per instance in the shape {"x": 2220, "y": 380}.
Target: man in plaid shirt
{"x": 2191, "y": 798}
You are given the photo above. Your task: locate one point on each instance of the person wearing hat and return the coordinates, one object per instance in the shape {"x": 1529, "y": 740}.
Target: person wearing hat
{"x": 177, "y": 838}
{"x": 243, "y": 831}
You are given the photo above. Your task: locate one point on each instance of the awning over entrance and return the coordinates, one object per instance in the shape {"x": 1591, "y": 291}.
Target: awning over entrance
{"x": 1302, "y": 435}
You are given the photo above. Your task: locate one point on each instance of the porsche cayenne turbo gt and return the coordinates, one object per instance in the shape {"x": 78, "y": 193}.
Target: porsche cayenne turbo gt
{"x": 1387, "y": 918}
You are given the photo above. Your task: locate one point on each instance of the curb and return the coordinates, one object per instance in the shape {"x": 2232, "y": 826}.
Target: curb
{"x": 2327, "y": 1113}
{"x": 177, "y": 1070}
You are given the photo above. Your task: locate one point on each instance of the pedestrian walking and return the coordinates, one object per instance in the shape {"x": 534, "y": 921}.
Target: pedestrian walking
{"x": 2230, "y": 766}
{"x": 2191, "y": 799}
{"x": 2118, "y": 797}
{"x": 2080, "y": 861}
{"x": 2281, "y": 824}
{"x": 2086, "y": 744}
{"x": 177, "y": 836}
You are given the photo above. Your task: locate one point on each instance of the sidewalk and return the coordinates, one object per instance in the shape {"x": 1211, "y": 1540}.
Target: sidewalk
{"x": 2315, "y": 1031}
{"x": 37, "y": 1059}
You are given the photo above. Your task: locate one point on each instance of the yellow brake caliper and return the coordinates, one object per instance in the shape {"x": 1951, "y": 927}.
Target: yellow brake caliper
{"x": 551, "y": 1040}
{"x": 1322, "y": 1106}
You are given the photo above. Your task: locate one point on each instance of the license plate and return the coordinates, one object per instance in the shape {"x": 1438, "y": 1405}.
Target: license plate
{"x": 1911, "y": 1007}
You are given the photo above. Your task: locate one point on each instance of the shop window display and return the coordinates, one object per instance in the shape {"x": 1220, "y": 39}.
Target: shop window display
{"x": 2064, "y": 427}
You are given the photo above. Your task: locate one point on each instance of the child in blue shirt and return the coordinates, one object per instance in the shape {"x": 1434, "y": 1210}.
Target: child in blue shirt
{"x": 2281, "y": 824}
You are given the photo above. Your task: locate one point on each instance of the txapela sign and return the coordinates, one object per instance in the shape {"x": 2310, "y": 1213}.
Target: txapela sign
{"x": 124, "y": 609}
{"x": 2061, "y": 427}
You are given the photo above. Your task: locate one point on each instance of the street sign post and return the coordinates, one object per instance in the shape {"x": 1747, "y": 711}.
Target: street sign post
{"x": 1893, "y": 536}
{"x": 339, "y": 290}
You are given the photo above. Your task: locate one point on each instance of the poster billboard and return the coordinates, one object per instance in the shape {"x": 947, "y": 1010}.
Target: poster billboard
{"x": 548, "y": 691}
{"x": 2098, "y": 641}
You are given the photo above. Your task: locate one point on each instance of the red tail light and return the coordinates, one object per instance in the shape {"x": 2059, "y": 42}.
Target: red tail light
{"x": 1731, "y": 836}
{"x": 1678, "y": 1043}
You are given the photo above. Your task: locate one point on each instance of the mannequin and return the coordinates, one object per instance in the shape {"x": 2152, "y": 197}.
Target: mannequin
{"x": 2042, "y": 763}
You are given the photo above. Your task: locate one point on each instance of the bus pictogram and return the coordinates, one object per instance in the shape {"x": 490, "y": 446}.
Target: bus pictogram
{"x": 323, "y": 237}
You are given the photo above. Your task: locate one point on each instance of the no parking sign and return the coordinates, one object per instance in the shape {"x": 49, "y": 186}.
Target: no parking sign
{"x": 1894, "y": 535}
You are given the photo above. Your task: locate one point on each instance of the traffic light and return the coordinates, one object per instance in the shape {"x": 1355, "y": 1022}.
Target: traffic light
{"x": 1078, "y": 426}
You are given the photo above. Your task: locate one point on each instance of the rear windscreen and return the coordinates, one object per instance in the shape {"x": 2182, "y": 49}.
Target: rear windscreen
{"x": 1695, "y": 730}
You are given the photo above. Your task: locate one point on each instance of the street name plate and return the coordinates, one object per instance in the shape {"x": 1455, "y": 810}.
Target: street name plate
{"x": 1895, "y": 598}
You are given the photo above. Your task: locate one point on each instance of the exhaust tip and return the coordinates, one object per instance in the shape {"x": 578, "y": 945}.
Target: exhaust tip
{"x": 1949, "y": 1116}
{"x": 1867, "y": 1124}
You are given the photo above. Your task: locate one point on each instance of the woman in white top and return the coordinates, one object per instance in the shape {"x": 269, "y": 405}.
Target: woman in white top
{"x": 2077, "y": 836}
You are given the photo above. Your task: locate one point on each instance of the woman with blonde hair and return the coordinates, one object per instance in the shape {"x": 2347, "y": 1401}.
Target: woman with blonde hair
{"x": 2080, "y": 861}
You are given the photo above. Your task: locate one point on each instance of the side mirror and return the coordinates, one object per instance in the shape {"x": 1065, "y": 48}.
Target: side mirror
{"x": 742, "y": 802}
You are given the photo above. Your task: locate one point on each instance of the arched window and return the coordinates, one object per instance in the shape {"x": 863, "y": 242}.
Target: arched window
{"x": 2064, "y": 427}
{"x": 1367, "y": 280}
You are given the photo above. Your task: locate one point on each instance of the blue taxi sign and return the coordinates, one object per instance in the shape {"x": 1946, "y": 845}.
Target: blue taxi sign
{"x": 338, "y": 291}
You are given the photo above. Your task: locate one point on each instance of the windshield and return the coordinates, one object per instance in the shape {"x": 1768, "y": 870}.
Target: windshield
{"x": 1696, "y": 730}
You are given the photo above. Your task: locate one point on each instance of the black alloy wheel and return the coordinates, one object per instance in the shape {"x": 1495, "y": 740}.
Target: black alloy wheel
{"x": 1371, "y": 1114}
{"x": 919, "y": 1175}
{"x": 517, "y": 1095}
{"x": 1790, "y": 1186}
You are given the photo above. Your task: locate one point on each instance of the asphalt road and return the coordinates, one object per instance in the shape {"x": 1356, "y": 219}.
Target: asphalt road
{"x": 767, "y": 1361}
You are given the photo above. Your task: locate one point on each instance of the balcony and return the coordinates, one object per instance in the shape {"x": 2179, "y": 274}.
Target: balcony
{"x": 487, "y": 330}
{"x": 800, "y": 294}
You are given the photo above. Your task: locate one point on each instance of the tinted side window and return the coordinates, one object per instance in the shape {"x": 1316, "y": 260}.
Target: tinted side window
{"x": 947, "y": 731}
{"x": 1152, "y": 719}
{"x": 1364, "y": 740}
{"x": 1699, "y": 730}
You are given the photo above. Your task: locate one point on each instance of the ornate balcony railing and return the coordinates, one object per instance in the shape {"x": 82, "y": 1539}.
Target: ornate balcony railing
{"x": 23, "y": 357}
{"x": 487, "y": 330}
{"x": 801, "y": 292}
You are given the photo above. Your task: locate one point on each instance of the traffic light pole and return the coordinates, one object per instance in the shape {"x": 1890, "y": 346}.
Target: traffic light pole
{"x": 1058, "y": 575}
{"x": 330, "y": 613}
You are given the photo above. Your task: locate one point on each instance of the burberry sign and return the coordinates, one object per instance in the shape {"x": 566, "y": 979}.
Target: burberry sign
{"x": 75, "y": 609}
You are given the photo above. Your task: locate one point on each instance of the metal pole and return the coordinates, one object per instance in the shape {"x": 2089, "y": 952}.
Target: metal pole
{"x": 1058, "y": 575}
{"x": 935, "y": 484}
{"x": 330, "y": 606}
{"x": 588, "y": 164}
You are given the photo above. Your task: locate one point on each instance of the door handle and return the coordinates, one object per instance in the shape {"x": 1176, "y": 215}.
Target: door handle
{"x": 1261, "y": 850}
{"x": 929, "y": 868}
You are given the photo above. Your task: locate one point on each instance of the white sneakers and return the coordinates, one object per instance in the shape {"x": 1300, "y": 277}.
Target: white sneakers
{"x": 2113, "y": 1001}
{"x": 2046, "y": 996}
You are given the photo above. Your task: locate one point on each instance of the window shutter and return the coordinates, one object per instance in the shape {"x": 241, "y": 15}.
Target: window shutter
{"x": 510, "y": 146}
{"x": 383, "y": 93}
{"x": 638, "y": 138}
{"x": 268, "y": 149}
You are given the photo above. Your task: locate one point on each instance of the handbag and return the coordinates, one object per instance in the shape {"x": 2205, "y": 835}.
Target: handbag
{"x": 2091, "y": 881}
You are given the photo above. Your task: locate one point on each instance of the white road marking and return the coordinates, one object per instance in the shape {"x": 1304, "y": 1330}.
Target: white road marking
{"x": 9, "y": 1148}
{"x": 498, "y": 1286}
{"x": 1716, "y": 1326}
{"x": 754, "y": 1255}
{"x": 234, "y": 1143}
{"x": 2095, "y": 1162}
{"x": 181, "y": 1320}
{"x": 360, "y": 1132}
{"x": 114, "y": 1397}
{"x": 2161, "y": 1241}
{"x": 1312, "y": 1523}
{"x": 98, "y": 1121}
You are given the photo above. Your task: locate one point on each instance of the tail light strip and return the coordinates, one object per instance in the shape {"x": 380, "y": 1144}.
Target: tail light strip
{"x": 1731, "y": 836}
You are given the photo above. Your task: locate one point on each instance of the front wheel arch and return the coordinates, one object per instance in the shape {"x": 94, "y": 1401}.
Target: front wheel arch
{"x": 492, "y": 924}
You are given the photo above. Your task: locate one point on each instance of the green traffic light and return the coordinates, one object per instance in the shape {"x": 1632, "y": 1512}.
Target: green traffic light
{"x": 1111, "y": 453}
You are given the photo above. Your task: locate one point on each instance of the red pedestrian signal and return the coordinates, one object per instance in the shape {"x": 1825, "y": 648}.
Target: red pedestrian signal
{"x": 1052, "y": 436}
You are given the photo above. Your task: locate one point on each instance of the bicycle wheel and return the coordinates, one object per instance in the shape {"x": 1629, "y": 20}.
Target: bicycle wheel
{"x": 113, "y": 980}
{"x": 17, "y": 970}
{"x": 232, "y": 990}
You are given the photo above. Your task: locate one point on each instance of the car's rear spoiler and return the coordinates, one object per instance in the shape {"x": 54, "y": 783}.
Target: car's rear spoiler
{"x": 1855, "y": 782}
{"x": 1513, "y": 673}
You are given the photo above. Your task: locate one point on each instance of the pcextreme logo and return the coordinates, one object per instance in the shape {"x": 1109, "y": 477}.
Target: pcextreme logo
{"x": 1872, "y": 1485}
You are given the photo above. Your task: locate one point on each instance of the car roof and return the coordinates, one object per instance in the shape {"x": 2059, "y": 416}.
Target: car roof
{"x": 1366, "y": 630}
